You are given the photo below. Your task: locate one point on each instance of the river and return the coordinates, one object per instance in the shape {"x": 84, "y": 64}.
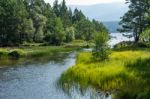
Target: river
{"x": 37, "y": 79}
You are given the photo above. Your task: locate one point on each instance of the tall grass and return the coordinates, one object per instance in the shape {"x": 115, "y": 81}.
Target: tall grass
{"x": 126, "y": 73}
{"x": 36, "y": 51}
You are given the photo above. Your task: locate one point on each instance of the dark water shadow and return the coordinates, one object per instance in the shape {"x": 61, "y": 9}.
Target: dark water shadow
{"x": 56, "y": 57}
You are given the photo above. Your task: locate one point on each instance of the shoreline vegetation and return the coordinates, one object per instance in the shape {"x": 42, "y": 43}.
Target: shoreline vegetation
{"x": 37, "y": 50}
{"x": 10, "y": 56}
{"x": 125, "y": 74}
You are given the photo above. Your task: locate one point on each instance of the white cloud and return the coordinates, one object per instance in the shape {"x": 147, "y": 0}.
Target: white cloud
{"x": 85, "y": 2}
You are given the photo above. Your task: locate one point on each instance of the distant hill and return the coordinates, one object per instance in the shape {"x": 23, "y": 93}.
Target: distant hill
{"x": 103, "y": 12}
{"x": 112, "y": 26}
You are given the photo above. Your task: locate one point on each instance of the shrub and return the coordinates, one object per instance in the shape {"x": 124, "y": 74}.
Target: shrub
{"x": 2, "y": 54}
{"x": 14, "y": 54}
{"x": 101, "y": 50}
{"x": 129, "y": 44}
{"x": 145, "y": 36}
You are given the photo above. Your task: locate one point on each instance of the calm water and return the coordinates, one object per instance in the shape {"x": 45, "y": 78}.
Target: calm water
{"x": 37, "y": 79}
{"x": 118, "y": 37}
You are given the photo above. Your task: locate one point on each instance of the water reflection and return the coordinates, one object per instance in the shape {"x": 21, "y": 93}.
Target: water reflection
{"x": 56, "y": 57}
{"x": 76, "y": 92}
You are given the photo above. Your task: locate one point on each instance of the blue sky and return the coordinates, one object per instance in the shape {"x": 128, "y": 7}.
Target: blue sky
{"x": 85, "y": 2}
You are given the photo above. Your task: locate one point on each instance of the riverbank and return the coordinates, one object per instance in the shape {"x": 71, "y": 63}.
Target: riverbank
{"x": 38, "y": 51}
{"x": 125, "y": 75}
{"x": 12, "y": 56}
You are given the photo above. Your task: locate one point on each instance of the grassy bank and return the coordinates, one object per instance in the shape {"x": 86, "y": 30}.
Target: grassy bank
{"x": 126, "y": 74}
{"x": 35, "y": 50}
{"x": 31, "y": 51}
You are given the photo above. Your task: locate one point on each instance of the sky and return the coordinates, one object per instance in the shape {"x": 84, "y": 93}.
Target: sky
{"x": 85, "y": 2}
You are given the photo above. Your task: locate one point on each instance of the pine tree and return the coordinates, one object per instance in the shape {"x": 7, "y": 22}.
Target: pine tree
{"x": 77, "y": 16}
{"x": 135, "y": 19}
{"x": 64, "y": 14}
{"x": 56, "y": 8}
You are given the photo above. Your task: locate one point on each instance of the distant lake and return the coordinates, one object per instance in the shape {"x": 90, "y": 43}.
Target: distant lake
{"x": 118, "y": 37}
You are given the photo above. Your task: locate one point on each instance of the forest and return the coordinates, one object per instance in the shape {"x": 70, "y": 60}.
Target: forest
{"x": 34, "y": 21}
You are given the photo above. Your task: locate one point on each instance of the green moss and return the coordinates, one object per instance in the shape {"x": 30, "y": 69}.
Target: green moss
{"x": 125, "y": 73}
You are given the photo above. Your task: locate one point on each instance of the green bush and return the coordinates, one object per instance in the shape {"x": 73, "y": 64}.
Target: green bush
{"x": 143, "y": 45}
{"x": 123, "y": 44}
{"x": 101, "y": 50}
{"x": 2, "y": 54}
{"x": 129, "y": 44}
{"x": 14, "y": 54}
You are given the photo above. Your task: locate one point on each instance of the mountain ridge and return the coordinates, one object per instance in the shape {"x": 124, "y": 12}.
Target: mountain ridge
{"x": 102, "y": 12}
{"x": 112, "y": 26}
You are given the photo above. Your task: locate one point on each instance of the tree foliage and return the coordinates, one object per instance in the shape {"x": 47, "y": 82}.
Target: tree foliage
{"x": 101, "y": 49}
{"x": 70, "y": 34}
{"x": 12, "y": 19}
{"x": 145, "y": 36}
{"x": 36, "y": 21}
{"x": 135, "y": 20}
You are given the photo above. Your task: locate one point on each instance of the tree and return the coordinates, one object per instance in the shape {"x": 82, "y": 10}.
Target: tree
{"x": 101, "y": 49}
{"x": 84, "y": 30}
{"x": 28, "y": 31}
{"x": 70, "y": 34}
{"x": 50, "y": 15}
{"x": 145, "y": 36}
{"x": 12, "y": 16}
{"x": 77, "y": 16}
{"x": 70, "y": 14}
{"x": 56, "y": 8}
{"x": 39, "y": 20}
{"x": 64, "y": 15}
{"x": 99, "y": 27}
{"x": 57, "y": 35}
{"x": 134, "y": 20}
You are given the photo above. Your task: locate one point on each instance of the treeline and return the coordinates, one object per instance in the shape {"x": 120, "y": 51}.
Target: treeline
{"x": 28, "y": 21}
{"x": 137, "y": 20}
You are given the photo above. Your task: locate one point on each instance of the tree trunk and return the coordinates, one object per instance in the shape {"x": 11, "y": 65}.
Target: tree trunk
{"x": 136, "y": 36}
{"x": 136, "y": 39}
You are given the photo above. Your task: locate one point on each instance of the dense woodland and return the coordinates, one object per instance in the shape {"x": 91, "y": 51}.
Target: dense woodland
{"x": 34, "y": 21}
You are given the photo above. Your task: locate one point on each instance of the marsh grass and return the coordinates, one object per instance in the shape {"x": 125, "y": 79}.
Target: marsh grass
{"x": 126, "y": 74}
{"x": 35, "y": 51}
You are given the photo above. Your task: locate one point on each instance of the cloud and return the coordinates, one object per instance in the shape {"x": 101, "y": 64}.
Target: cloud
{"x": 85, "y": 2}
